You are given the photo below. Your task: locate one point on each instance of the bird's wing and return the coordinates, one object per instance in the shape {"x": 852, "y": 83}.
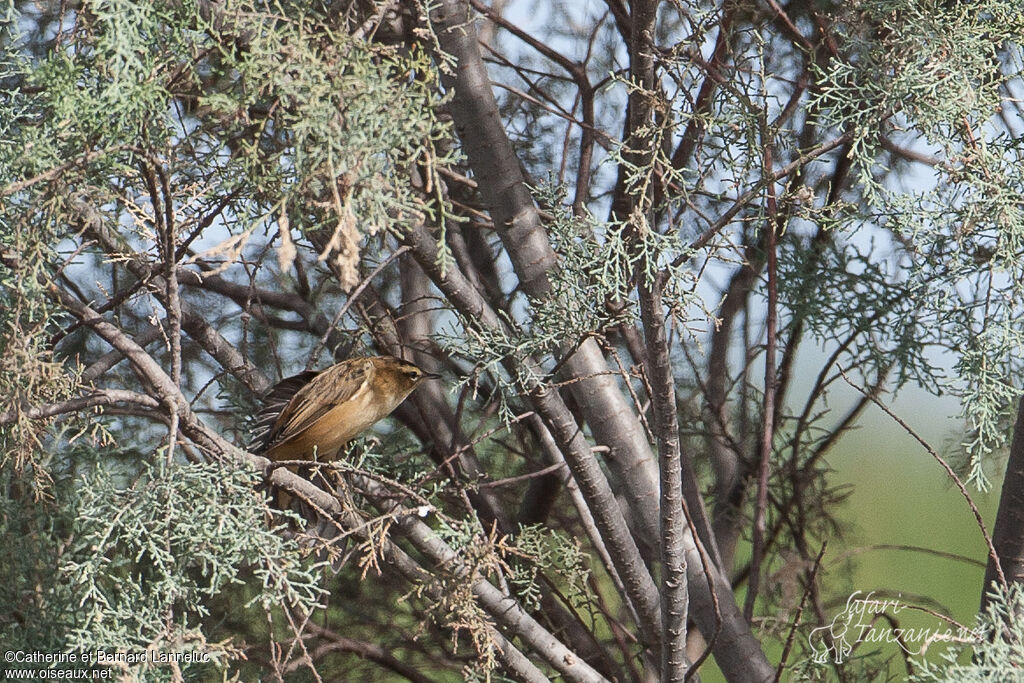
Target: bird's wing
{"x": 334, "y": 385}
{"x": 274, "y": 403}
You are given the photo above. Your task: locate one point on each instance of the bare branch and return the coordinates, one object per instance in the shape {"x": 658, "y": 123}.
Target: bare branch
{"x": 567, "y": 434}
{"x": 503, "y": 608}
{"x": 101, "y": 397}
{"x": 1006, "y": 557}
{"x": 770, "y": 382}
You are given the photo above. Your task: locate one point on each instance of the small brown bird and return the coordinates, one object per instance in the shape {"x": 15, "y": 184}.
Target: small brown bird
{"x": 316, "y": 413}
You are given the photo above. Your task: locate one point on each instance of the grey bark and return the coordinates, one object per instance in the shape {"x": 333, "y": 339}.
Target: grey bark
{"x": 608, "y": 413}
{"x": 1008, "y": 533}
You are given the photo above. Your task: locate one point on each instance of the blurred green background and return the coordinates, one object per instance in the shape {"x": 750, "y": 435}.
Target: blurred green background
{"x": 900, "y": 500}
{"x": 902, "y": 497}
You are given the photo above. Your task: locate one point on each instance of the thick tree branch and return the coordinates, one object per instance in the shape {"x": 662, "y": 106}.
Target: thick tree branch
{"x": 101, "y": 397}
{"x": 502, "y": 184}
{"x": 503, "y": 187}
{"x": 600, "y": 498}
{"x": 503, "y": 609}
{"x": 673, "y": 528}
{"x": 1008, "y": 532}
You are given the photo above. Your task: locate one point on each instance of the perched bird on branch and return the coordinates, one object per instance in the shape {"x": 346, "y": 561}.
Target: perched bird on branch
{"x": 310, "y": 416}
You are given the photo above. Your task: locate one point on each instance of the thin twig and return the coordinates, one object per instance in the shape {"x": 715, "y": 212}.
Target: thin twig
{"x": 507, "y": 481}
{"x": 770, "y": 379}
{"x": 726, "y": 218}
{"x": 799, "y": 612}
{"x": 55, "y": 171}
{"x": 352, "y": 298}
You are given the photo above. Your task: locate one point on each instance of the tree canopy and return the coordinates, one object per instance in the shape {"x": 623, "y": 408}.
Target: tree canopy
{"x": 645, "y": 245}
